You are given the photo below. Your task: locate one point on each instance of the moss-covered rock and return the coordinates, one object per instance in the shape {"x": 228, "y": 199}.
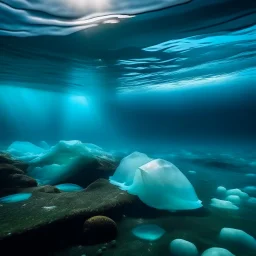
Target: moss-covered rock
{"x": 99, "y": 229}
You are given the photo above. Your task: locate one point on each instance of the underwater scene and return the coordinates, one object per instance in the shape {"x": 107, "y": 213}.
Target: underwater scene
{"x": 128, "y": 128}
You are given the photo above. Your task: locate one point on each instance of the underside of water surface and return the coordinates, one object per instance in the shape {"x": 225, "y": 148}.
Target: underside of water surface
{"x": 128, "y": 127}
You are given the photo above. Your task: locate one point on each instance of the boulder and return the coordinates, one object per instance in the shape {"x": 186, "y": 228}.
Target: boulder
{"x": 20, "y": 181}
{"x": 12, "y": 177}
{"x": 99, "y": 229}
{"x": 7, "y": 159}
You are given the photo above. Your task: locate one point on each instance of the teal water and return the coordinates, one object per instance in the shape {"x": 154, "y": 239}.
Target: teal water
{"x": 84, "y": 84}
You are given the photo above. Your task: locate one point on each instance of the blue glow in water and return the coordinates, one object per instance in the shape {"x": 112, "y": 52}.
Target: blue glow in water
{"x": 68, "y": 187}
{"x": 80, "y": 100}
{"x": 149, "y": 232}
{"x": 15, "y": 198}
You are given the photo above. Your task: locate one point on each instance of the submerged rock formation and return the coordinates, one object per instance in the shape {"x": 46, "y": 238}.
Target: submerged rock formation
{"x": 12, "y": 175}
{"x": 58, "y": 218}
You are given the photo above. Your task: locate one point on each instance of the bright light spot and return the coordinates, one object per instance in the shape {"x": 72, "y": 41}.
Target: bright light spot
{"x": 99, "y": 3}
{"x": 80, "y": 100}
{"x": 111, "y": 21}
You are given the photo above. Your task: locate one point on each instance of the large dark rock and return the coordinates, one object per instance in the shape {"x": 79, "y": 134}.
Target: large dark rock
{"x": 50, "y": 221}
{"x": 90, "y": 168}
{"x": 20, "y": 181}
{"x": 12, "y": 177}
{"x": 7, "y": 159}
{"x": 7, "y": 169}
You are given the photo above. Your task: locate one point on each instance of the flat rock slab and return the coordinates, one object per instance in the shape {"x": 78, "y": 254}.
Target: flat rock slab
{"x": 60, "y": 215}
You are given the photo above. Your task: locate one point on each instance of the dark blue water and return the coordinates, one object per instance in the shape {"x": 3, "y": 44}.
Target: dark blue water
{"x": 171, "y": 78}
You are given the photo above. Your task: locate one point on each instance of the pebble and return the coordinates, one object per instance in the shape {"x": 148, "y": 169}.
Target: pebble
{"x": 99, "y": 252}
{"x": 112, "y": 243}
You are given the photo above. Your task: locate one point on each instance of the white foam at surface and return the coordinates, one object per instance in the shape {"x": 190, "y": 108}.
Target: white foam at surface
{"x": 216, "y": 251}
{"x": 223, "y": 204}
{"x": 161, "y": 185}
{"x": 27, "y": 18}
{"x": 237, "y": 238}
{"x": 180, "y": 247}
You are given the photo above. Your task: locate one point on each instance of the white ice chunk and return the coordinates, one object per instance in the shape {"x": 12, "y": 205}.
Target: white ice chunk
{"x": 180, "y": 247}
{"x": 215, "y": 251}
{"x": 62, "y": 153}
{"x": 221, "y": 191}
{"x": 63, "y": 161}
{"x": 237, "y": 192}
{"x": 222, "y": 204}
{"x": 250, "y": 175}
{"x": 234, "y": 199}
{"x": 68, "y": 187}
{"x": 148, "y": 232}
{"x": 251, "y": 202}
{"x": 237, "y": 238}
{"x": 125, "y": 172}
{"x": 43, "y": 144}
{"x": 251, "y": 190}
{"x": 161, "y": 185}
{"x": 23, "y": 149}
{"x": 49, "y": 174}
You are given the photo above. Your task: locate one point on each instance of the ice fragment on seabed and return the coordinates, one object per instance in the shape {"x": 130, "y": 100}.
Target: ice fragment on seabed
{"x": 15, "y": 198}
{"x": 69, "y": 187}
{"x": 180, "y": 247}
{"x": 161, "y": 185}
{"x": 237, "y": 238}
{"x": 251, "y": 190}
{"x": 221, "y": 191}
{"x": 234, "y": 199}
{"x": 250, "y": 175}
{"x": 125, "y": 172}
{"x": 215, "y": 251}
{"x": 222, "y": 204}
{"x": 148, "y": 232}
{"x": 237, "y": 192}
